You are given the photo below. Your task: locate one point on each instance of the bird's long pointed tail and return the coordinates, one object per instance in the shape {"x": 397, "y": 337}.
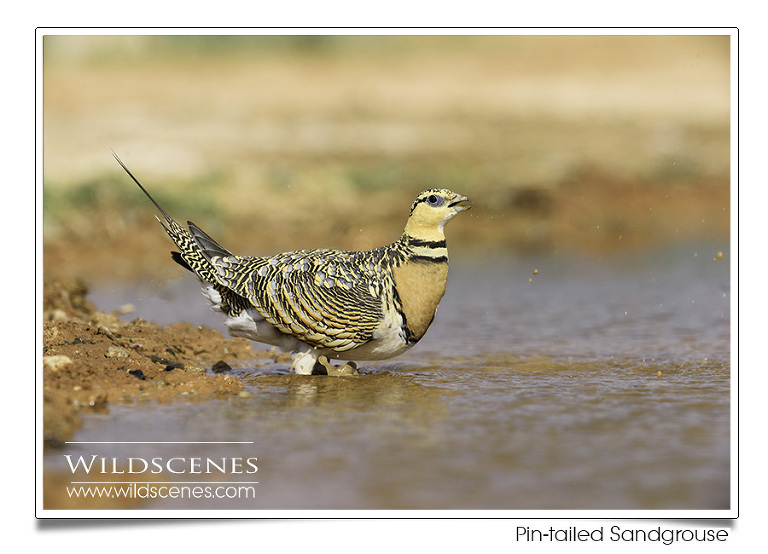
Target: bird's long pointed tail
{"x": 167, "y": 217}
{"x": 196, "y": 246}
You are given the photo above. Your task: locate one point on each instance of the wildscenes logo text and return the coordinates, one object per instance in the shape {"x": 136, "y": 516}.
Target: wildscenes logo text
{"x": 178, "y": 465}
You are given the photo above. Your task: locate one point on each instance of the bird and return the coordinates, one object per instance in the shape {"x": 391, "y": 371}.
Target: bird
{"x": 325, "y": 304}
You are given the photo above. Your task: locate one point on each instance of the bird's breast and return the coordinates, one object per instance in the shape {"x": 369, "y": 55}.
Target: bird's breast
{"x": 420, "y": 286}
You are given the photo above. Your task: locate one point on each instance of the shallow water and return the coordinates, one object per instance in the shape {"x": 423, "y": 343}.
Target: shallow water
{"x": 600, "y": 384}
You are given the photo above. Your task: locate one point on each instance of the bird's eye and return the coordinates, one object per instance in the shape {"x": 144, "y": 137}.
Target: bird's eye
{"x": 434, "y": 200}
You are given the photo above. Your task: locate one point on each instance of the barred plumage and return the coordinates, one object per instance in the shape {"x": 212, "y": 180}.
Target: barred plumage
{"x": 365, "y": 305}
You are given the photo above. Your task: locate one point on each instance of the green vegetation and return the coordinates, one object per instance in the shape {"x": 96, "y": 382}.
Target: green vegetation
{"x": 115, "y": 49}
{"x": 116, "y": 191}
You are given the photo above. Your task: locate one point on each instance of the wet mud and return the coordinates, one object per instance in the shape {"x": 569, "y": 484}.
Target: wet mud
{"x": 92, "y": 360}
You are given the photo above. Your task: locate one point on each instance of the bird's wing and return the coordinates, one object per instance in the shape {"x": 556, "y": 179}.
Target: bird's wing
{"x": 327, "y": 298}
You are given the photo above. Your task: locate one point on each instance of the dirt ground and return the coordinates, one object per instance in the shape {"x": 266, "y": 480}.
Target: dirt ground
{"x": 92, "y": 360}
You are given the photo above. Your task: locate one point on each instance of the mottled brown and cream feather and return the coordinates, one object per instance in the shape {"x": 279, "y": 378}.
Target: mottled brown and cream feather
{"x": 330, "y": 301}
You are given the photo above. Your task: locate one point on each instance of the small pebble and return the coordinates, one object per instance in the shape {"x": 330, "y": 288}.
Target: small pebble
{"x": 58, "y": 315}
{"x": 345, "y": 369}
{"x": 116, "y": 352}
{"x": 138, "y": 374}
{"x": 55, "y": 363}
{"x": 221, "y": 366}
{"x": 106, "y": 332}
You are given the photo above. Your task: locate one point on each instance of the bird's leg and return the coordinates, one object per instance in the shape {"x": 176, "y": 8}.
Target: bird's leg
{"x": 304, "y": 362}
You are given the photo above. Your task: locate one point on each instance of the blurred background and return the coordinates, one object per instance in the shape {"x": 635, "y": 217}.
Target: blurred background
{"x": 584, "y": 144}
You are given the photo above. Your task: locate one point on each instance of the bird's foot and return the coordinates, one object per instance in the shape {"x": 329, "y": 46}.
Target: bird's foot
{"x": 324, "y": 366}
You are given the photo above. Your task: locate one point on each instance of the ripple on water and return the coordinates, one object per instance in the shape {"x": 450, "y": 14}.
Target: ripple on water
{"x": 597, "y": 386}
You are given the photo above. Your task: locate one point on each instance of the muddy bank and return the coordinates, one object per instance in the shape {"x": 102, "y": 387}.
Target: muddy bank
{"x": 591, "y": 213}
{"x": 92, "y": 360}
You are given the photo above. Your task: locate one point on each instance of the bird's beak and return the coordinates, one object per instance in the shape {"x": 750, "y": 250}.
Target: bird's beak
{"x": 460, "y": 203}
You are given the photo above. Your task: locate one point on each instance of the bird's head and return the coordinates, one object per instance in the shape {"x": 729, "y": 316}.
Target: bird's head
{"x": 431, "y": 210}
